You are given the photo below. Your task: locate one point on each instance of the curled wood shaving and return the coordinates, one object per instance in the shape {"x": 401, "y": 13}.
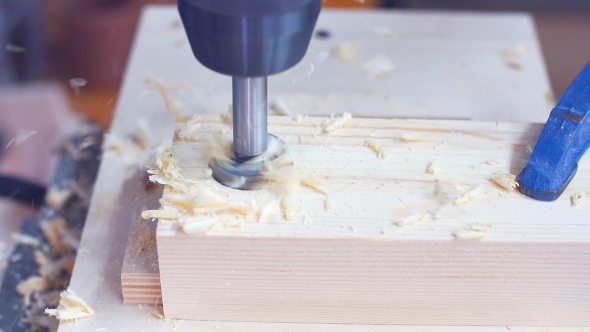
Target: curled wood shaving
{"x": 375, "y": 147}
{"x": 336, "y": 123}
{"x": 505, "y": 180}
{"x": 71, "y": 307}
{"x": 191, "y": 130}
{"x": 469, "y": 195}
{"x": 472, "y": 232}
{"x": 166, "y": 170}
{"x": 577, "y": 198}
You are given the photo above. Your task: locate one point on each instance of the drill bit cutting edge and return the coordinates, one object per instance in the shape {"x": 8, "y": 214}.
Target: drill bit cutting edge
{"x": 248, "y": 40}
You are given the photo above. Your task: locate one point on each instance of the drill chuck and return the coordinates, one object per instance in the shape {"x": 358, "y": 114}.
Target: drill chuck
{"x": 249, "y": 38}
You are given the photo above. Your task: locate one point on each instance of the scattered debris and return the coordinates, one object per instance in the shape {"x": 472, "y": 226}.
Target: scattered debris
{"x": 577, "y": 198}
{"x": 313, "y": 182}
{"x": 30, "y": 285}
{"x": 346, "y": 52}
{"x": 20, "y": 238}
{"x": 77, "y": 83}
{"x": 228, "y": 116}
{"x": 280, "y": 108}
{"x": 492, "y": 163}
{"x": 517, "y": 52}
{"x": 166, "y": 169}
{"x": 20, "y": 137}
{"x": 14, "y": 48}
{"x": 469, "y": 195}
{"x": 432, "y": 167}
{"x": 408, "y": 137}
{"x": 56, "y": 198}
{"x": 336, "y": 123}
{"x": 375, "y": 147}
{"x": 472, "y": 232}
{"x": 505, "y": 180}
{"x": 191, "y": 129}
{"x": 378, "y": 66}
{"x": 170, "y": 104}
{"x": 71, "y": 307}
{"x": 411, "y": 219}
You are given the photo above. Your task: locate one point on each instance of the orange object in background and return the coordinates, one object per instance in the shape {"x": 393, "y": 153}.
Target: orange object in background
{"x": 351, "y": 3}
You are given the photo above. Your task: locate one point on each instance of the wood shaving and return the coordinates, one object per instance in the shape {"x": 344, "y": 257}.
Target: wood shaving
{"x": 313, "y": 182}
{"x": 411, "y": 219}
{"x": 289, "y": 206}
{"x": 61, "y": 240}
{"x": 517, "y": 52}
{"x": 33, "y": 284}
{"x": 577, "y": 198}
{"x": 25, "y": 239}
{"x": 155, "y": 311}
{"x": 328, "y": 205}
{"x": 336, "y": 123}
{"x": 166, "y": 170}
{"x": 407, "y": 137}
{"x": 375, "y": 147}
{"x": 469, "y": 195}
{"x": 432, "y": 167}
{"x": 56, "y": 198}
{"x": 169, "y": 103}
{"x": 280, "y": 108}
{"x": 20, "y": 137}
{"x": 345, "y": 52}
{"x": 504, "y": 180}
{"x": 472, "y": 232}
{"x": 202, "y": 225}
{"x": 492, "y": 163}
{"x": 191, "y": 130}
{"x": 228, "y": 117}
{"x": 265, "y": 210}
{"x": 378, "y": 66}
{"x": 160, "y": 214}
{"x": 71, "y": 307}
{"x": 530, "y": 147}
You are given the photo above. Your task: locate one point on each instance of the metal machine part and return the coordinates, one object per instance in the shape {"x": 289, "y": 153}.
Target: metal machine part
{"x": 249, "y": 116}
{"x": 247, "y": 175}
{"x": 248, "y": 40}
{"x": 563, "y": 141}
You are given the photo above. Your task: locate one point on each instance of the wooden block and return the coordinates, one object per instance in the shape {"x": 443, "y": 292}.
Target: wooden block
{"x": 140, "y": 277}
{"x": 353, "y": 263}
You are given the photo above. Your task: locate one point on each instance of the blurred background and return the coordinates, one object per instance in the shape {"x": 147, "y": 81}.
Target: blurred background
{"x": 84, "y": 44}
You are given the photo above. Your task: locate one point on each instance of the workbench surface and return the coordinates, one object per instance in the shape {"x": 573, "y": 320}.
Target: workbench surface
{"x": 448, "y": 65}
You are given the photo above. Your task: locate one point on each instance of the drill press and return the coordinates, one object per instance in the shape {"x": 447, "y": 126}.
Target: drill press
{"x": 248, "y": 40}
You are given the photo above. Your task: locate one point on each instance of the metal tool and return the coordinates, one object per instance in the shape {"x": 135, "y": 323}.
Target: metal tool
{"x": 248, "y": 40}
{"x": 563, "y": 141}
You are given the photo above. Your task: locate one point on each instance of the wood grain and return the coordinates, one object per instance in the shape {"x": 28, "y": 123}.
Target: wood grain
{"x": 354, "y": 265}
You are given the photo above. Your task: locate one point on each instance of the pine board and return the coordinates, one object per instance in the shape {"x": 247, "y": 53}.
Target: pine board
{"x": 353, "y": 265}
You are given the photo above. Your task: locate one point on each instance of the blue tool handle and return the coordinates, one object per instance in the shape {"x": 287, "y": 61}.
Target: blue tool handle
{"x": 563, "y": 141}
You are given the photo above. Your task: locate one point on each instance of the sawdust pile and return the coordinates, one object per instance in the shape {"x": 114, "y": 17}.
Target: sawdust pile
{"x": 196, "y": 207}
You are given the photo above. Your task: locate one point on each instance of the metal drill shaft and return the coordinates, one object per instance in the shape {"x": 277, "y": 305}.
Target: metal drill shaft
{"x": 249, "y": 116}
